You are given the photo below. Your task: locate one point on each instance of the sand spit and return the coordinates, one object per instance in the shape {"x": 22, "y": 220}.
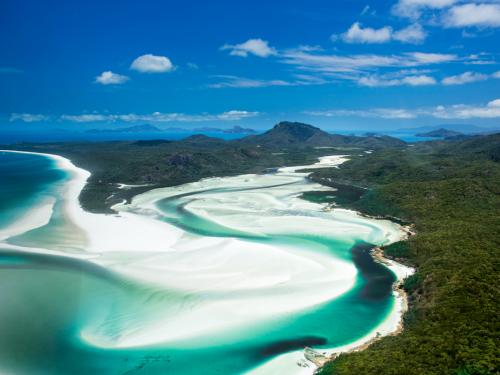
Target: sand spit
{"x": 229, "y": 280}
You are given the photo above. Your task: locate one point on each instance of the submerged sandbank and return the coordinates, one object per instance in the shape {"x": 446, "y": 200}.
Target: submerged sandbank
{"x": 239, "y": 247}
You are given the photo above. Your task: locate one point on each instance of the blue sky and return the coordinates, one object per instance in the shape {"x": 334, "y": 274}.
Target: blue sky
{"x": 371, "y": 65}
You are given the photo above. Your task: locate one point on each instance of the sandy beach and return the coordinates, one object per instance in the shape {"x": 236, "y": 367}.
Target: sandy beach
{"x": 240, "y": 276}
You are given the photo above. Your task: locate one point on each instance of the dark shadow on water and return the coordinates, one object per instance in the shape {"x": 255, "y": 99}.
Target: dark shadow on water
{"x": 285, "y": 346}
{"x": 378, "y": 279}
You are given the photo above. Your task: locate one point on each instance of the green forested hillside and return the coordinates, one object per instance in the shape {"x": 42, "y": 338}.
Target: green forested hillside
{"x": 158, "y": 163}
{"x": 451, "y": 191}
{"x": 299, "y": 135}
{"x": 161, "y": 163}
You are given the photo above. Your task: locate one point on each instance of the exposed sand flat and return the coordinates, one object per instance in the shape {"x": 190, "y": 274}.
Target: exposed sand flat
{"x": 295, "y": 363}
{"x": 267, "y": 205}
{"x": 219, "y": 256}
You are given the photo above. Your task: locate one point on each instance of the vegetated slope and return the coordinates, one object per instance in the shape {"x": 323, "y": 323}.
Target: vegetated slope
{"x": 159, "y": 163}
{"x": 451, "y": 191}
{"x": 296, "y": 134}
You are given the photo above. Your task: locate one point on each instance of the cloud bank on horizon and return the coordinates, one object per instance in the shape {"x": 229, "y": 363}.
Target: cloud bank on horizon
{"x": 399, "y": 61}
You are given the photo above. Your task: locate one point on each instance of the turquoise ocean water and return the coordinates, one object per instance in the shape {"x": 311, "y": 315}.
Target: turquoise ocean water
{"x": 48, "y": 299}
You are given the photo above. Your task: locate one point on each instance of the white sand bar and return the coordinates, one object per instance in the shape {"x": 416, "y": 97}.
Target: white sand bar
{"x": 217, "y": 284}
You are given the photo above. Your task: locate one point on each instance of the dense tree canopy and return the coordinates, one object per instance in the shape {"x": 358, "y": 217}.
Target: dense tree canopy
{"x": 451, "y": 191}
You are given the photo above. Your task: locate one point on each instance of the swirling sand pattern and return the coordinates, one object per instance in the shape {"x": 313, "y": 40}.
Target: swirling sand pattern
{"x": 224, "y": 275}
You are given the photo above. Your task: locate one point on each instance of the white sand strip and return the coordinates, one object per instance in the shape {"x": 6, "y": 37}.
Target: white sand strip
{"x": 294, "y": 363}
{"x": 228, "y": 282}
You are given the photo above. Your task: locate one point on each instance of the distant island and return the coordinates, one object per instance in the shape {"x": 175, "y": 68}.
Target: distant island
{"x": 234, "y": 130}
{"x": 462, "y": 128}
{"x": 147, "y": 128}
{"x": 440, "y": 133}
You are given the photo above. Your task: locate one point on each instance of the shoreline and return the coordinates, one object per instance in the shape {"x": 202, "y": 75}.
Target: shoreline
{"x": 388, "y": 327}
{"x": 77, "y": 176}
{"x": 320, "y": 357}
{"x": 391, "y": 325}
{"x": 401, "y": 271}
{"x": 309, "y": 361}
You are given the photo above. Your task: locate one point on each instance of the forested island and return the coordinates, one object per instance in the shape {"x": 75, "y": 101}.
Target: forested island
{"x": 440, "y": 133}
{"x": 449, "y": 190}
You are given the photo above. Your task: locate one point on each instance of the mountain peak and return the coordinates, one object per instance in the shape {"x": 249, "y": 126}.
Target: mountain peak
{"x": 288, "y": 125}
{"x": 297, "y": 134}
{"x": 295, "y": 131}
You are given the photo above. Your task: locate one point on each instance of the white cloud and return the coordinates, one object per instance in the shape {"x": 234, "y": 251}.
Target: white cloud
{"x": 337, "y": 63}
{"x": 387, "y": 113}
{"x": 152, "y": 64}
{"x": 86, "y": 118}
{"x": 457, "y": 111}
{"x": 328, "y": 64}
{"x": 413, "y": 8}
{"x": 494, "y": 103}
{"x": 428, "y": 3}
{"x": 235, "y": 115}
{"x": 482, "y": 58}
{"x": 463, "y": 78}
{"x": 305, "y": 79}
{"x": 422, "y": 80}
{"x": 365, "y": 10}
{"x": 432, "y": 58}
{"x": 466, "y": 15}
{"x": 496, "y": 75}
{"x": 356, "y": 34}
{"x": 381, "y": 81}
{"x": 257, "y": 47}
{"x": 110, "y": 78}
{"x": 28, "y": 117}
{"x": 412, "y": 34}
{"x": 241, "y": 82}
{"x": 232, "y": 115}
{"x": 461, "y": 111}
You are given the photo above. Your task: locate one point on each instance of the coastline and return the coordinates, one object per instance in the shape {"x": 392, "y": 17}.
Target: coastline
{"x": 401, "y": 306}
{"x": 391, "y": 325}
{"x": 309, "y": 361}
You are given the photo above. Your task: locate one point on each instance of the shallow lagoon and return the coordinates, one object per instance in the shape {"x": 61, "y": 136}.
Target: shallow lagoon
{"x": 225, "y": 275}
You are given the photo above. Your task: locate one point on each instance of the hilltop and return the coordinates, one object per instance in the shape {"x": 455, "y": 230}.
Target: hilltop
{"x": 296, "y": 134}
{"x": 161, "y": 162}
